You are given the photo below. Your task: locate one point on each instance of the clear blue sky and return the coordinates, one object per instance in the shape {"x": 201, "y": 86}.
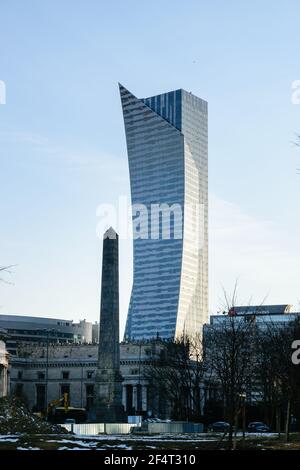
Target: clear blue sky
{"x": 62, "y": 143}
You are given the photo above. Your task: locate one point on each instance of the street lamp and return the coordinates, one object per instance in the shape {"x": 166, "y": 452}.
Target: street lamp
{"x": 243, "y": 397}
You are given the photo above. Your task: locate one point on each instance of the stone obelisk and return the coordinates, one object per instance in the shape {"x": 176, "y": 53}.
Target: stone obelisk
{"x": 108, "y": 403}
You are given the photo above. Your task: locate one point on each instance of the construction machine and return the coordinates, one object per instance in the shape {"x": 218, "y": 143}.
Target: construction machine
{"x": 55, "y": 403}
{"x": 59, "y": 410}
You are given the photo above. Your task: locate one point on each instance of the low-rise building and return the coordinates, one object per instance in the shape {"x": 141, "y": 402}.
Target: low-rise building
{"x": 262, "y": 315}
{"x": 26, "y": 329}
{"x": 261, "y": 318}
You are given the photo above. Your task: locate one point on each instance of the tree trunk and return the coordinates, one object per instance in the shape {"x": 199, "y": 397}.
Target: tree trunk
{"x": 278, "y": 420}
{"x": 230, "y": 435}
{"x": 244, "y": 422}
{"x": 236, "y": 422}
{"x": 231, "y": 428}
{"x": 288, "y": 418}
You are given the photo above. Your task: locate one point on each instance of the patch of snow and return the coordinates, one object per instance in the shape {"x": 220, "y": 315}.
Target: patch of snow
{"x": 261, "y": 434}
{"x": 75, "y": 441}
{"x": 120, "y": 446}
{"x": 28, "y": 448}
{"x": 9, "y": 438}
{"x": 71, "y": 448}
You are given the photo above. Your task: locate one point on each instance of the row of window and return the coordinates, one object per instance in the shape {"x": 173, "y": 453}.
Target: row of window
{"x": 41, "y": 375}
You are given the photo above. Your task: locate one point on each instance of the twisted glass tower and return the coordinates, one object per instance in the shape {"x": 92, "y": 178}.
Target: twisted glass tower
{"x": 166, "y": 139}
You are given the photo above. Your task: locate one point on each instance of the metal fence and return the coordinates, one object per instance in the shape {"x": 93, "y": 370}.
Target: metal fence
{"x": 176, "y": 427}
{"x": 93, "y": 429}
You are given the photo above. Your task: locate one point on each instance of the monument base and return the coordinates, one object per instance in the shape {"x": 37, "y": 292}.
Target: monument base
{"x": 109, "y": 413}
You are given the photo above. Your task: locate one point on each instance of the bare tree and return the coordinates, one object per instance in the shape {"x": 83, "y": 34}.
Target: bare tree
{"x": 280, "y": 377}
{"x": 270, "y": 393}
{"x": 5, "y": 269}
{"x": 229, "y": 344}
{"x": 176, "y": 374}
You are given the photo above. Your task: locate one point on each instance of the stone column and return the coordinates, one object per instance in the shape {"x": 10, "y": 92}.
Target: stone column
{"x": 5, "y": 380}
{"x": 1, "y": 381}
{"x": 124, "y": 397}
{"x": 192, "y": 400}
{"x": 3, "y": 365}
{"x": 144, "y": 398}
{"x": 202, "y": 399}
{"x": 134, "y": 397}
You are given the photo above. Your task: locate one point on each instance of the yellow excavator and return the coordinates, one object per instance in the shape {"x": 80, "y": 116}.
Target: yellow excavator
{"x": 54, "y": 403}
{"x": 58, "y": 410}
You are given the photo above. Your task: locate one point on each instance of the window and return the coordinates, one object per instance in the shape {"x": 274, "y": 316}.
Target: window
{"x": 89, "y": 374}
{"x": 89, "y": 396}
{"x": 66, "y": 375}
{"x": 40, "y": 397}
{"x": 41, "y": 375}
{"x": 20, "y": 374}
{"x": 19, "y": 390}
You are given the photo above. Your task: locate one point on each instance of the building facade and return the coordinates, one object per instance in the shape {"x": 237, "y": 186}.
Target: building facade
{"x": 235, "y": 322}
{"x": 167, "y": 142}
{"x": 262, "y": 315}
{"x": 25, "y": 329}
{"x": 72, "y": 369}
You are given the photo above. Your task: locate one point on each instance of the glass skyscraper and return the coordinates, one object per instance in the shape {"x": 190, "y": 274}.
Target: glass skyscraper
{"x": 166, "y": 139}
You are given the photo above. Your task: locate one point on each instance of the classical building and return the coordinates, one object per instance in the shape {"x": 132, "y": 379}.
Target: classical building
{"x": 72, "y": 369}
{"x": 167, "y": 152}
{"x": 4, "y": 382}
{"x": 25, "y": 329}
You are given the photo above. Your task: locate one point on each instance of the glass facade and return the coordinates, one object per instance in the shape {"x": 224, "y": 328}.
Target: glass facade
{"x": 167, "y": 152}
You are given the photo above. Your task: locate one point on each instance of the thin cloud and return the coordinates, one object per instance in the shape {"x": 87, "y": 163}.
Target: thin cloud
{"x": 258, "y": 252}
